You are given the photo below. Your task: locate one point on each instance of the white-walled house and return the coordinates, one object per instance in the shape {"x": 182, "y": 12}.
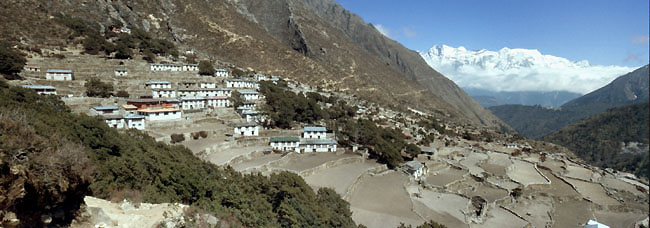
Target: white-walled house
{"x": 198, "y": 92}
{"x": 207, "y": 85}
{"x": 160, "y": 114}
{"x": 190, "y": 67}
{"x": 260, "y": 77}
{"x": 248, "y": 105}
{"x": 192, "y": 103}
{"x": 241, "y": 83}
{"x": 224, "y": 92}
{"x": 246, "y": 129}
{"x": 314, "y": 132}
{"x": 415, "y": 168}
{"x": 163, "y": 93}
{"x": 104, "y": 110}
{"x": 130, "y": 109}
{"x": 217, "y": 102}
{"x": 285, "y": 143}
{"x": 249, "y": 95}
{"x": 158, "y": 85}
{"x": 221, "y": 73}
{"x": 318, "y": 145}
{"x": 41, "y": 89}
{"x": 114, "y": 121}
{"x": 59, "y": 75}
{"x": 253, "y": 115}
{"x": 134, "y": 121}
{"x": 121, "y": 72}
{"x": 164, "y": 67}
{"x": 29, "y": 68}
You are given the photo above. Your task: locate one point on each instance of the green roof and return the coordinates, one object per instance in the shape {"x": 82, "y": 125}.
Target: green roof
{"x": 285, "y": 139}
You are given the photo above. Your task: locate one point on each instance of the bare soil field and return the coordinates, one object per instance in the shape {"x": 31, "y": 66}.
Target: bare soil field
{"x": 445, "y": 176}
{"x": 340, "y": 178}
{"x": 470, "y": 163}
{"x": 444, "y": 208}
{"x": 488, "y": 193}
{"x": 382, "y": 201}
{"x": 593, "y": 192}
{"x": 524, "y": 173}
{"x": 578, "y": 172}
{"x": 614, "y": 183}
{"x": 256, "y": 162}
{"x": 310, "y": 160}
{"x": 224, "y": 156}
{"x": 557, "y": 187}
{"x": 616, "y": 219}
{"x": 501, "y": 218}
{"x": 571, "y": 213}
{"x": 535, "y": 211}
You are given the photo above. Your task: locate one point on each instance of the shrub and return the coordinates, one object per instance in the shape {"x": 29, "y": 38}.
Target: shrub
{"x": 11, "y": 61}
{"x": 176, "y": 138}
{"x": 203, "y": 134}
{"x": 123, "y": 51}
{"x": 97, "y": 88}
{"x": 206, "y": 68}
{"x": 122, "y": 93}
{"x": 195, "y": 135}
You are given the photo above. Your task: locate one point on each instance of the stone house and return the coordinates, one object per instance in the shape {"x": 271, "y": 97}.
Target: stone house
{"x": 121, "y": 72}
{"x": 158, "y": 85}
{"x": 415, "y": 169}
{"x": 160, "y": 114}
{"x": 29, "y": 68}
{"x": 41, "y": 89}
{"x": 190, "y": 67}
{"x": 314, "y": 132}
{"x": 246, "y": 129}
{"x": 241, "y": 83}
{"x": 249, "y": 95}
{"x": 154, "y": 103}
{"x": 134, "y": 121}
{"x": 221, "y": 73}
{"x": 253, "y": 116}
{"x": 192, "y": 103}
{"x": 104, "y": 110}
{"x": 163, "y": 93}
{"x": 164, "y": 67}
{"x": 208, "y": 85}
{"x": 285, "y": 143}
{"x": 59, "y": 75}
{"x": 218, "y": 102}
{"x": 318, "y": 145}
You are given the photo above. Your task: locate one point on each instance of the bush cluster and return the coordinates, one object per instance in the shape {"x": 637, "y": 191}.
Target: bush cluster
{"x": 11, "y": 61}
{"x": 97, "y": 88}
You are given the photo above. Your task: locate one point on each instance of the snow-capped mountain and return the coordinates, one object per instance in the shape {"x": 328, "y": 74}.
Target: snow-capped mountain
{"x": 519, "y": 70}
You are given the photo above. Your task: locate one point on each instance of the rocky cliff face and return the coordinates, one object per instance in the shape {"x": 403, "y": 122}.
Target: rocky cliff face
{"x": 314, "y": 41}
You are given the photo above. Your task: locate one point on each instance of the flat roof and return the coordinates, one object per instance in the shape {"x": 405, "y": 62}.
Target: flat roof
{"x": 133, "y": 116}
{"x": 251, "y": 112}
{"x": 58, "y": 71}
{"x": 112, "y": 117}
{"x": 153, "y": 100}
{"x": 248, "y": 92}
{"x": 157, "y": 82}
{"x": 221, "y": 70}
{"x": 38, "y": 87}
{"x": 120, "y": 69}
{"x": 217, "y": 98}
{"x": 192, "y": 98}
{"x": 314, "y": 128}
{"x": 159, "y": 110}
{"x": 285, "y": 139}
{"x": 105, "y": 107}
{"x": 247, "y": 124}
{"x": 319, "y": 142}
{"x": 129, "y": 107}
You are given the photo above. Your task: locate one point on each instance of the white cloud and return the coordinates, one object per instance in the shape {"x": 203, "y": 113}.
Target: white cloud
{"x": 641, "y": 39}
{"x": 519, "y": 70}
{"x": 383, "y": 30}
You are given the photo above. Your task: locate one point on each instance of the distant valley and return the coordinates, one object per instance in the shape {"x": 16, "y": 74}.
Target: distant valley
{"x": 488, "y": 98}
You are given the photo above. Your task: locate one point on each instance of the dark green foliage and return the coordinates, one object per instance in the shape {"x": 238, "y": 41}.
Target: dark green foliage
{"x": 238, "y": 73}
{"x": 134, "y": 161}
{"x": 153, "y": 45}
{"x": 285, "y": 107}
{"x": 176, "y": 138}
{"x": 123, "y": 51}
{"x": 97, "y": 88}
{"x": 384, "y": 144}
{"x": 122, "y": 93}
{"x": 11, "y": 61}
{"x": 78, "y": 26}
{"x": 598, "y": 139}
{"x": 429, "y": 224}
{"x": 413, "y": 150}
{"x": 206, "y": 68}
{"x": 516, "y": 193}
{"x": 236, "y": 99}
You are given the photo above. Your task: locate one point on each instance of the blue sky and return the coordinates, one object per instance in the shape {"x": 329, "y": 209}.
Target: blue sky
{"x": 604, "y": 32}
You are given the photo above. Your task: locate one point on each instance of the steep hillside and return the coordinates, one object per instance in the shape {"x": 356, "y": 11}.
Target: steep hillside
{"x": 535, "y": 121}
{"x": 51, "y": 158}
{"x": 616, "y": 138}
{"x": 317, "y": 42}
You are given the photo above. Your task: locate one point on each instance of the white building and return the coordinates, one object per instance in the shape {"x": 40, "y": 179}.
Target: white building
{"x": 29, "y": 68}
{"x": 247, "y": 129}
{"x": 253, "y": 116}
{"x": 260, "y": 77}
{"x": 114, "y": 121}
{"x": 221, "y": 73}
{"x": 121, "y": 72}
{"x": 224, "y": 92}
{"x": 164, "y": 67}
{"x": 241, "y": 83}
{"x": 165, "y": 92}
{"x": 208, "y": 85}
{"x": 104, "y": 110}
{"x": 249, "y": 95}
{"x": 285, "y": 143}
{"x": 594, "y": 224}
{"x": 190, "y": 67}
{"x": 217, "y": 102}
{"x": 314, "y": 132}
{"x": 159, "y": 84}
{"x": 318, "y": 145}
{"x": 160, "y": 114}
{"x": 415, "y": 168}
{"x": 59, "y": 75}
{"x": 247, "y": 105}
{"x": 134, "y": 121}
{"x": 130, "y": 109}
{"x": 41, "y": 89}
{"x": 192, "y": 103}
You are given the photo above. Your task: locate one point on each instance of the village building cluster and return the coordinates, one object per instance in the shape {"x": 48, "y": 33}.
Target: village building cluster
{"x": 314, "y": 139}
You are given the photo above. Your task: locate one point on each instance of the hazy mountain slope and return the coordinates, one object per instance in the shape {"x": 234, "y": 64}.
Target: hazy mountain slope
{"x": 548, "y": 99}
{"x": 295, "y": 39}
{"x": 616, "y": 138}
{"x": 535, "y": 121}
